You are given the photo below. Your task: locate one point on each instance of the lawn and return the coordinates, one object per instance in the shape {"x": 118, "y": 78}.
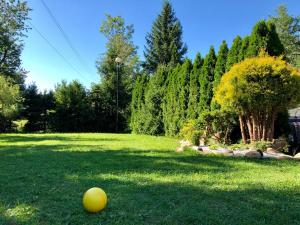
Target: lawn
{"x": 43, "y": 178}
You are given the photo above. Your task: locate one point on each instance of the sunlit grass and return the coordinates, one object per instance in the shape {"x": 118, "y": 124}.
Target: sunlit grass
{"x": 43, "y": 177}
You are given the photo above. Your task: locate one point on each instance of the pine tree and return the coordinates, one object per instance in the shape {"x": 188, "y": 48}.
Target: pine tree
{"x": 206, "y": 80}
{"x": 164, "y": 44}
{"x": 220, "y": 69}
{"x": 233, "y": 54}
{"x": 193, "y": 103}
{"x": 244, "y": 48}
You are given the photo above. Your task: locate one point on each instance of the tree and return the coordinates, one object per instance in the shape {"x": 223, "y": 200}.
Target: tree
{"x": 206, "y": 80}
{"x": 264, "y": 37}
{"x": 288, "y": 29}
{"x": 244, "y": 48}
{"x": 72, "y": 112}
{"x": 154, "y": 95}
{"x": 176, "y": 98}
{"x": 13, "y": 28}
{"x": 117, "y": 78}
{"x": 257, "y": 89}
{"x": 36, "y": 108}
{"x": 220, "y": 69}
{"x": 138, "y": 104}
{"x": 9, "y": 99}
{"x": 193, "y": 99}
{"x": 164, "y": 44}
{"x": 233, "y": 54}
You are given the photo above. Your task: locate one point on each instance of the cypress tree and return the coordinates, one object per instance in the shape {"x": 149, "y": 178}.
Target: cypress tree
{"x": 206, "y": 80}
{"x": 164, "y": 44}
{"x": 233, "y": 54}
{"x": 264, "y": 36}
{"x": 193, "y": 103}
{"x": 244, "y": 48}
{"x": 220, "y": 68}
{"x": 152, "y": 116}
{"x": 138, "y": 103}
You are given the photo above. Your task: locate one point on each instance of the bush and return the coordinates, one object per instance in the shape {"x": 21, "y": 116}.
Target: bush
{"x": 190, "y": 132}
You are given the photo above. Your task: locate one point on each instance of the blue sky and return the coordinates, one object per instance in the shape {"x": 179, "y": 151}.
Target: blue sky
{"x": 205, "y": 23}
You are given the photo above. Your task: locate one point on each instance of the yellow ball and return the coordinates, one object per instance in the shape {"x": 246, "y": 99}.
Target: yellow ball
{"x": 94, "y": 200}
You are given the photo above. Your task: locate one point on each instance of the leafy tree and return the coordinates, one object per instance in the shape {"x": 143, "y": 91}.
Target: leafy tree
{"x": 264, "y": 36}
{"x": 193, "y": 99}
{"x": 288, "y": 29}
{"x": 117, "y": 78}
{"x": 257, "y": 89}
{"x": 9, "y": 99}
{"x": 233, "y": 54}
{"x": 164, "y": 44}
{"x": 220, "y": 69}
{"x": 206, "y": 80}
{"x": 72, "y": 111}
{"x": 138, "y": 104}
{"x": 13, "y": 28}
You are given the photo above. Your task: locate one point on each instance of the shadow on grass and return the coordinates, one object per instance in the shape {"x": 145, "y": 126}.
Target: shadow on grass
{"x": 144, "y": 187}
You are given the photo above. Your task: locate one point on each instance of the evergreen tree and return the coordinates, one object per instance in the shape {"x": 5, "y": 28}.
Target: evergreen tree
{"x": 264, "y": 36}
{"x": 233, "y": 54}
{"x": 288, "y": 29}
{"x": 244, "y": 48}
{"x": 138, "y": 104}
{"x": 193, "y": 100}
{"x": 164, "y": 44}
{"x": 206, "y": 80}
{"x": 176, "y": 98}
{"x": 154, "y": 95}
{"x": 220, "y": 69}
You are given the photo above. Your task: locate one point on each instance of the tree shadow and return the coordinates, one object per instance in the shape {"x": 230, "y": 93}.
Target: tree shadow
{"x": 150, "y": 186}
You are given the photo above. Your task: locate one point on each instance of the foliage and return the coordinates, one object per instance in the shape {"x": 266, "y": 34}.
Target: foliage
{"x": 257, "y": 89}
{"x": 233, "y": 53}
{"x": 206, "y": 80}
{"x": 13, "y": 17}
{"x": 190, "y": 132}
{"x": 216, "y": 124}
{"x": 193, "y": 98}
{"x": 36, "y": 108}
{"x": 117, "y": 77}
{"x": 220, "y": 69}
{"x": 264, "y": 36}
{"x": 164, "y": 44}
{"x": 19, "y": 125}
{"x": 288, "y": 29}
{"x": 72, "y": 107}
{"x": 138, "y": 104}
{"x": 176, "y": 98}
{"x": 9, "y": 100}
{"x": 243, "y": 49}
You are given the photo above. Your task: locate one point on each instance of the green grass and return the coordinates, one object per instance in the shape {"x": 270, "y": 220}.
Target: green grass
{"x": 43, "y": 178}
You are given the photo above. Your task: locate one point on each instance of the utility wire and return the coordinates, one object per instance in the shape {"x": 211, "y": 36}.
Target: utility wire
{"x": 67, "y": 39}
{"x": 57, "y": 51}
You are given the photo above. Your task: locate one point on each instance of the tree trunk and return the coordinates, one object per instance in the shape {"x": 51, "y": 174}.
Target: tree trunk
{"x": 243, "y": 130}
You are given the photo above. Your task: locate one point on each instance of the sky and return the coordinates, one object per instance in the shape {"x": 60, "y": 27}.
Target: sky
{"x": 204, "y": 23}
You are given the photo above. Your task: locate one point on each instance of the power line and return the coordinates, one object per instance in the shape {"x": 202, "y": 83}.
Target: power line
{"x": 67, "y": 39}
{"x": 57, "y": 51}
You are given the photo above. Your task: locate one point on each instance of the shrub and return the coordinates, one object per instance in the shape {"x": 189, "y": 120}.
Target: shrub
{"x": 190, "y": 132}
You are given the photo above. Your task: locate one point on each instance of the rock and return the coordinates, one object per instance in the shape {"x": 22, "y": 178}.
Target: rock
{"x": 196, "y": 148}
{"x": 283, "y": 157}
{"x": 269, "y": 156}
{"x": 297, "y": 156}
{"x": 180, "y": 149}
{"x": 253, "y": 154}
{"x": 239, "y": 153}
{"x": 272, "y": 151}
{"x": 205, "y": 148}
